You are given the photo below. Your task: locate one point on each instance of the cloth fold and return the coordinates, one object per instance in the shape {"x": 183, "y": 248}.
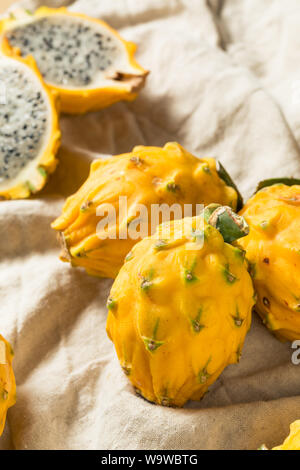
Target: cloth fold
{"x": 224, "y": 82}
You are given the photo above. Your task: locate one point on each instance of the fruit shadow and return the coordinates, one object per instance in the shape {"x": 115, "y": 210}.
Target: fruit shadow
{"x": 59, "y": 307}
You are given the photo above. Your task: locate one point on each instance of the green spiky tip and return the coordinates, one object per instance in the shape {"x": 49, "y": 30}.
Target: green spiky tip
{"x": 42, "y": 171}
{"x": 152, "y": 344}
{"x": 238, "y": 354}
{"x": 297, "y": 307}
{"x": 252, "y": 269}
{"x": 197, "y": 327}
{"x": 85, "y": 206}
{"x": 189, "y": 276}
{"x": 146, "y": 284}
{"x": 203, "y": 376}
{"x": 229, "y": 277}
{"x": 270, "y": 182}
{"x": 206, "y": 169}
{"x": 196, "y": 324}
{"x": 238, "y": 321}
{"x": 264, "y": 224}
{"x": 160, "y": 245}
{"x": 241, "y": 254}
{"x": 137, "y": 161}
{"x": 126, "y": 369}
{"x": 197, "y": 235}
{"x": 229, "y": 181}
{"x": 146, "y": 280}
{"x": 231, "y": 225}
{"x": 172, "y": 187}
{"x": 165, "y": 401}
{"x": 129, "y": 256}
{"x": 111, "y": 303}
{"x": 30, "y": 187}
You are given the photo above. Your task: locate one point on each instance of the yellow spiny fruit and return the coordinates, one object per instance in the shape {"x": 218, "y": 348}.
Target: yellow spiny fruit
{"x": 292, "y": 442}
{"x": 273, "y": 250}
{"x": 7, "y": 381}
{"x": 146, "y": 176}
{"x": 82, "y": 58}
{"x": 30, "y": 135}
{"x": 180, "y": 307}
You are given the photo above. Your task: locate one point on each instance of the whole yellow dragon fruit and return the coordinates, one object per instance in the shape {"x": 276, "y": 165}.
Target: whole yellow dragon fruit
{"x": 7, "y": 381}
{"x": 273, "y": 250}
{"x": 144, "y": 177}
{"x": 180, "y": 307}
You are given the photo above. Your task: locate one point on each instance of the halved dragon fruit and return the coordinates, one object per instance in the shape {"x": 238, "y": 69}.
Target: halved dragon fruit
{"x": 82, "y": 58}
{"x": 29, "y": 132}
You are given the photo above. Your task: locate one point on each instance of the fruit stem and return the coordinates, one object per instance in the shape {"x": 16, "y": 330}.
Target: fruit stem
{"x": 231, "y": 225}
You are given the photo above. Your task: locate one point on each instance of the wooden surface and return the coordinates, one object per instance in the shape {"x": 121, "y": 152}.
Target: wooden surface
{"x": 5, "y": 4}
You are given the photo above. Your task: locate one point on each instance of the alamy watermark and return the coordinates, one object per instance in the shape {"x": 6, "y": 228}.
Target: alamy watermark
{"x": 118, "y": 221}
{"x": 296, "y": 353}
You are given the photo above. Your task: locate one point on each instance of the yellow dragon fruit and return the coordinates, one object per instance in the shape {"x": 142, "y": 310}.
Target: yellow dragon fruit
{"x": 29, "y": 129}
{"x": 273, "y": 250}
{"x": 146, "y": 176}
{"x": 83, "y": 59}
{"x": 180, "y": 307}
{"x": 7, "y": 381}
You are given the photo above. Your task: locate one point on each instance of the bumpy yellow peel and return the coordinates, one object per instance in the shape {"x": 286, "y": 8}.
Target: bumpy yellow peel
{"x": 273, "y": 250}
{"x": 179, "y": 312}
{"x": 147, "y": 175}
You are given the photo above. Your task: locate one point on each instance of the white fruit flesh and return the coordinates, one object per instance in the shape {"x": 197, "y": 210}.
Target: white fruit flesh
{"x": 25, "y": 122}
{"x": 72, "y": 52}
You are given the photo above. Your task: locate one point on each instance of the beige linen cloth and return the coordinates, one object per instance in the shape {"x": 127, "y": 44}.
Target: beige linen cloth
{"x": 224, "y": 82}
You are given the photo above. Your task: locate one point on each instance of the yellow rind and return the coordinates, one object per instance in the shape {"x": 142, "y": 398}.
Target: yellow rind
{"x": 273, "y": 250}
{"x": 191, "y": 321}
{"x": 83, "y": 100}
{"x": 7, "y": 384}
{"x": 142, "y": 176}
{"x": 47, "y": 161}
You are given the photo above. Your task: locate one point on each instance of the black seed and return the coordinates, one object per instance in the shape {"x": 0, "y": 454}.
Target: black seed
{"x": 52, "y": 56}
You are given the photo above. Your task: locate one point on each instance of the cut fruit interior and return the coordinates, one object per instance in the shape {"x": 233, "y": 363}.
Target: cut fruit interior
{"x": 81, "y": 57}
{"x": 29, "y": 134}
